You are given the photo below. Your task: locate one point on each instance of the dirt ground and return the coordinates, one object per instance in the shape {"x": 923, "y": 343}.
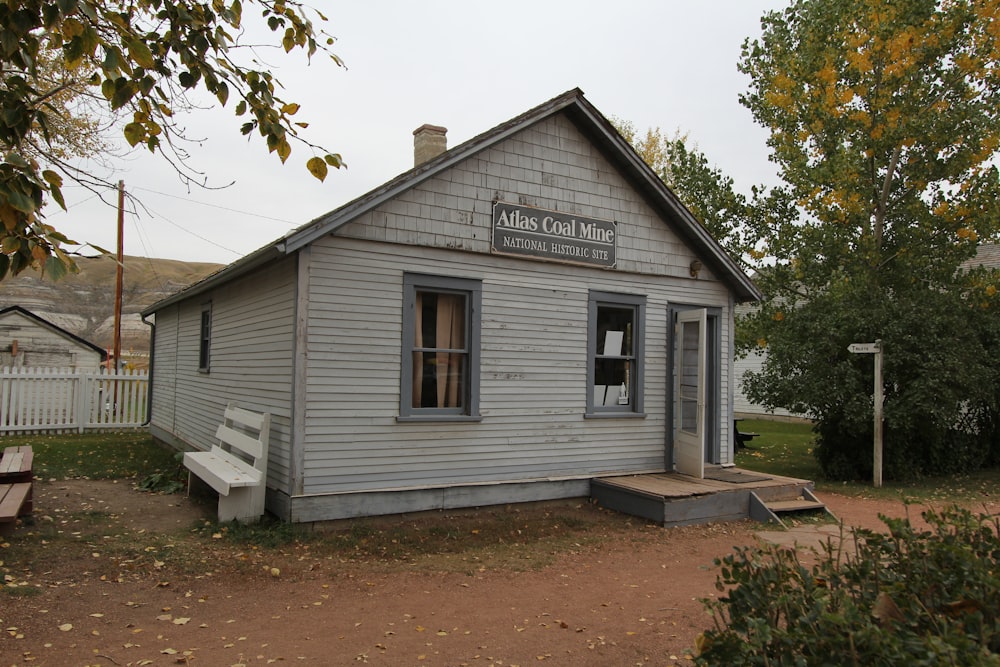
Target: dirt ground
{"x": 633, "y": 599}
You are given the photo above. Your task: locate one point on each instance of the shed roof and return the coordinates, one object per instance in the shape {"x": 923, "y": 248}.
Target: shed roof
{"x": 56, "y": 329}
{"x": 587, "y": 119}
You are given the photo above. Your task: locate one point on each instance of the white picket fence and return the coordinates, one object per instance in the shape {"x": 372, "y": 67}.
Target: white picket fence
{"x": 59, "y": 400}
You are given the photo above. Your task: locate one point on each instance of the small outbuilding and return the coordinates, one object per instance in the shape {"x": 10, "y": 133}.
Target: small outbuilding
{"x": 30, "y": 341}
{"x": 504, "y": 322}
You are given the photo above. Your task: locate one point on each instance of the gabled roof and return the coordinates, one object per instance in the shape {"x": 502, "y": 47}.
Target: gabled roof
{"x": 587, "y": 119}
{"x": 56, "y": 329}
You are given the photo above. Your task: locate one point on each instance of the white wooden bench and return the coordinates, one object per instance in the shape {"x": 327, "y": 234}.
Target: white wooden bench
{"x": 237, "y": 466}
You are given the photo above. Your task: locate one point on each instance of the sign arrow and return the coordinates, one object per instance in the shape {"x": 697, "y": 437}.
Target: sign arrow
{"x": 863, "y": 348}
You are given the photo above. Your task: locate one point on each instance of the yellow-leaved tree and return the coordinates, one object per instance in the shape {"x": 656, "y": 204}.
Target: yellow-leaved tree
{"x": 884, "y": 121}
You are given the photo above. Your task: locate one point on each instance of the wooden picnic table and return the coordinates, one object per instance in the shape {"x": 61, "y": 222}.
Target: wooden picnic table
{"x": 15, "y": 470}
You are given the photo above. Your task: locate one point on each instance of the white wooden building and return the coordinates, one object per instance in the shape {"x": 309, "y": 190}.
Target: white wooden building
{"x": 753, "y": 361}
{"x": 504, "y": 322}
{"x": 30, "y": 341}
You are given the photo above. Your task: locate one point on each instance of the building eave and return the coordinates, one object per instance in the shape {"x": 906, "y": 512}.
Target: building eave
{"x": 260, "y": 257}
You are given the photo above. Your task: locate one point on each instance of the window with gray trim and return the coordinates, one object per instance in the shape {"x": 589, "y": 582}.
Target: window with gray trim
{"x": 440, "y": 355}
{"x": 615, "y": 334}
{"x": 205, "y": 338}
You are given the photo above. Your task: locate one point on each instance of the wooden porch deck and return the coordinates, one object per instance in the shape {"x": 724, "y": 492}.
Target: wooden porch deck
{"x": 673, "y": 499}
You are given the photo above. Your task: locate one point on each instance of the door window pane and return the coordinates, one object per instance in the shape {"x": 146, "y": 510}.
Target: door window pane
{"x": 689, "y": 376}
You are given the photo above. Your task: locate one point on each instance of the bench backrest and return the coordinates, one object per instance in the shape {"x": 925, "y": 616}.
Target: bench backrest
{"x": 245, "y": 434}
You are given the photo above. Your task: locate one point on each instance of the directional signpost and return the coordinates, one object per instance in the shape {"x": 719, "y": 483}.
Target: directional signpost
{"x": 876, "y": 349}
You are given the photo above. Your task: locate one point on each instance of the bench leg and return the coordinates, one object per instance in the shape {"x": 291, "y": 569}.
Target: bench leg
{"x": 29, "y": 503}
{"x": 240, "y": 504}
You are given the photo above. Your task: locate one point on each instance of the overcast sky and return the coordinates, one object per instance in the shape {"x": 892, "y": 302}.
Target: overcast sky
{"x": 465, "y": 65}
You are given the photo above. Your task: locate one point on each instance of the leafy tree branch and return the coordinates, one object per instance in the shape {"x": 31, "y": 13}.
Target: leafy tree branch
{"x": 142, "y": 60}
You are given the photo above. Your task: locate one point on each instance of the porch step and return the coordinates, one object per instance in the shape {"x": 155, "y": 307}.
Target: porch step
{"x": 770, "y": 510}
{"x": 800, "y": 505}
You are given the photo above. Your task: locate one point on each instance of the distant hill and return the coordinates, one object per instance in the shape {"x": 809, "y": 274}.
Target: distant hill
{"x": 83, "y": 303}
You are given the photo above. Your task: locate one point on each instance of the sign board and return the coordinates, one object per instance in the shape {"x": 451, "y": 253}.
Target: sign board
{"x": 863, "y": 348}
{"x": 553, "y": 236}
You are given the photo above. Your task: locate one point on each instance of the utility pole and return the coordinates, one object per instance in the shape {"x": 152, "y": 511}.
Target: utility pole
{"x": 119, "y": 274}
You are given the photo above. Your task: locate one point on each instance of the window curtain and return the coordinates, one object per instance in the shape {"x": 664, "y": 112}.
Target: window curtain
{"x": 448, "y": 333}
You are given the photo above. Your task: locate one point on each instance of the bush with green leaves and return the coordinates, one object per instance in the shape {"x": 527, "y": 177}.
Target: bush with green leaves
{"x": 905, "y": 597}
{"x": 941, "y": 376}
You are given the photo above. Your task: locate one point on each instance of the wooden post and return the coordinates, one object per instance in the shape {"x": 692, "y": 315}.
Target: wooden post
{"x": 119, "y": 279}
{"x": 876, "y": 349}
{"x": 119, "y": 274}
{"x": 879, "y": 400}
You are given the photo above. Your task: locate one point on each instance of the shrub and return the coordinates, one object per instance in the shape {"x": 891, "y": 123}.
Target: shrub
{"x": 905, "y": 597}
{"x": 941, "y": 377}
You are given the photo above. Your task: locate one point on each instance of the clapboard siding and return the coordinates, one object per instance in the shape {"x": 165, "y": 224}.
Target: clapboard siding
{"x": 533, "y": 372}
{"x": 163, "y": 378}
{"x": 252, "y": 345}
{"x": 533, "y": 380}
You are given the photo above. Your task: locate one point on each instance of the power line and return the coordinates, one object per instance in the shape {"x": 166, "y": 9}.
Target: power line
{"x": 194, "y": 234}
{"x": 222, "y": 208}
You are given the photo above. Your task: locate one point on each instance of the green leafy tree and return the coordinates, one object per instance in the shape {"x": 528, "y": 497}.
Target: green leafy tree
{"x": 704, "y": 189}
{"x": 884, "y": 121}
{"x": 145, "y": 60}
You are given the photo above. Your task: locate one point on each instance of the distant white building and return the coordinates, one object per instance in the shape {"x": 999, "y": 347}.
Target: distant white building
{"x": 29, "y": 341}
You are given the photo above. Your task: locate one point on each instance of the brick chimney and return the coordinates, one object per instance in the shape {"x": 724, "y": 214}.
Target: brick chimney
{"x": 429, "y": 141}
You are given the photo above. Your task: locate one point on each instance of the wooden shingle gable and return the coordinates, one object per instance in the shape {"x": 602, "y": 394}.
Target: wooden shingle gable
{"x": 331, "y": 222}
{"x": 41, "y": 321}
{"x": 620, "y": 152}
{"x": 612, "y": 145}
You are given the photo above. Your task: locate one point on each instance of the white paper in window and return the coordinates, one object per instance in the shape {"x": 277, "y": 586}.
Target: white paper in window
{"x": 613, "y": 343}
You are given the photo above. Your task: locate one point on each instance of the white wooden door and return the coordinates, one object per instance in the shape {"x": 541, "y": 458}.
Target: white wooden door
{"x": 690, "y": 362}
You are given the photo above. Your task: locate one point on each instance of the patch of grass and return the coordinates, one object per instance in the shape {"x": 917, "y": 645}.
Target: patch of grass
{"x": 268, "y": 533}
{"x": 20, "y": 590}
{"x": 781, "y": 448}
{"x": 77, "y": 546}
{"x": 978, "y": 486}
{"x": 116, "y": 455}
{"x": 786, "y": 448}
